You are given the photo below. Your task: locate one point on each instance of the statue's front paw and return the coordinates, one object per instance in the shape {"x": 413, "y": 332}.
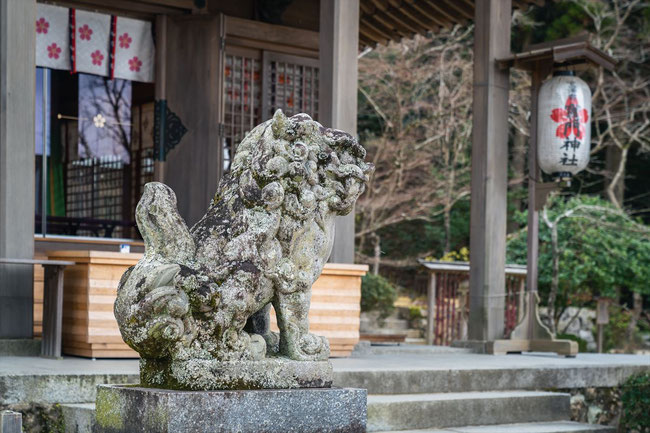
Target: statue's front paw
{"x": 272, "y": 343}
{"x": 316, "y": 347}
{"x": 309, "y": 347}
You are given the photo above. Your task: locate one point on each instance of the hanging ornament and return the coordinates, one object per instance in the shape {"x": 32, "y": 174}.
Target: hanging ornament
{"x": 563, "y": 125}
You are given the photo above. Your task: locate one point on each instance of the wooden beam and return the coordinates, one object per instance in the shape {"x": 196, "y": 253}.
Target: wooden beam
{"x": 395, "y": 25}
{"x": 451, "y": 16}
{"x": 489, "y": 183}
{"x": 460, "y": 7}
{"x": 422, "y": 19}
{"x": 399, "y": 15}
{"x": 366, "y": 32}
{"x": 431, "y": 15}
{"x": 180, "y": 4}
{"x": 364, "y": 41}
{"x": 380, "y": 28}
{"x": 290, "y": 36}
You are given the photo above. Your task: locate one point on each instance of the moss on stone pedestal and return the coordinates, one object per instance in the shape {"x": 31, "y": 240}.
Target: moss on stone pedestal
{"x": 108, "y": 407}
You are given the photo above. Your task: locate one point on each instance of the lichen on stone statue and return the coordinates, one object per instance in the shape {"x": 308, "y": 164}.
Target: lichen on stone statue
{"x": 196, "y": 306}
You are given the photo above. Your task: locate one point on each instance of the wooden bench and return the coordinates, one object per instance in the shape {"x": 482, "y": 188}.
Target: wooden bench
{"x": 383, "y": 338}
{"x": 52, "y": 302}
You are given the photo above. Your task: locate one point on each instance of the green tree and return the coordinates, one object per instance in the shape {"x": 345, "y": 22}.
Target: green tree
{"x": 588, "y": 248}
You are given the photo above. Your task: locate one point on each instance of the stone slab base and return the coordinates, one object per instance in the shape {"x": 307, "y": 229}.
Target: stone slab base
{"x": 132, "y": 409}
{"x": 501, "y": 347}
{"x": 567, "y": 348}
{"x": 206, "y": 375}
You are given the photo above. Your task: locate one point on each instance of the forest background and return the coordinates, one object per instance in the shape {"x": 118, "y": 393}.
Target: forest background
{"x": 415, "y": 119}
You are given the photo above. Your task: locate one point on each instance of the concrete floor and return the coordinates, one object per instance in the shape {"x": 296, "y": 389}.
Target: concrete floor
{"x": 19, "y": 365}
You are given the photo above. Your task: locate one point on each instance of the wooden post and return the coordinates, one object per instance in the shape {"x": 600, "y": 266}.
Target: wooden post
{"x": 531, "y": 334}
{"x": 52, "y": 311}
{"x": 339, "y": 43}
{"x": 194, "y": 86}
{"x": 11, "y": 422}
{"x": 17, "y": 201}
{"x": 431, "y": 304}
{"x": 161, "y": 85}
{"x": 534, "y": 176}
{"x": 489, "y": 170}
{"x": 531, "y": 327}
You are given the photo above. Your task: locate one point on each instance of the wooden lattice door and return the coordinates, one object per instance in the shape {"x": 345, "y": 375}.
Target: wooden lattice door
{"x": 258, "y": 83}
{"x": 290, "y": 83}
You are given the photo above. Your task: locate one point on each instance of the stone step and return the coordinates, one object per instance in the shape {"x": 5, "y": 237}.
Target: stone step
{"x": 537, "y": 427}
{"x": 389, "y": 373}
{"x": 78, "y": 417}
{"x": 394, "y": 412}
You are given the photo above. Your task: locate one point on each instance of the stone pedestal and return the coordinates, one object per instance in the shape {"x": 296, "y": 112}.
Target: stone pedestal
{"x": 123, "y": 408}
{"x": 267, "y": 373}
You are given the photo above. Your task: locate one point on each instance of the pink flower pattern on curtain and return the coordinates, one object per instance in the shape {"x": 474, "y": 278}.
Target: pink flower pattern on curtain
{"x": 133, "y": 47}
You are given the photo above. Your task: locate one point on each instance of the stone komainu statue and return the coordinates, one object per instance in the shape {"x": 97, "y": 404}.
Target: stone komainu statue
{"x": 196, "y": 306}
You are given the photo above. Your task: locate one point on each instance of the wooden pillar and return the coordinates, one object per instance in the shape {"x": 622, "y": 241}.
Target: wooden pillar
{"x": 339, "y": 46}
{"x": 193, "y": 87}
{"x": 17, "y": 89}
{"x": 534, "y": 174}
{"x": 431, "y": 305}
{"x": 489, "y": 170}
{"x": 52, "y": 311}
{"x": 161, "y": 86}
{"x": 11, "y": 422}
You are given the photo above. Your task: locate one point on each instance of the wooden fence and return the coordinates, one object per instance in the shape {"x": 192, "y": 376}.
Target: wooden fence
{"x": 448, "y": 300}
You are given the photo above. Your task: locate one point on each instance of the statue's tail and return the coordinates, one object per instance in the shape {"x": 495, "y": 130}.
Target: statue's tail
{"x": 163, "y": 230}
{"x": 153, "y": 313}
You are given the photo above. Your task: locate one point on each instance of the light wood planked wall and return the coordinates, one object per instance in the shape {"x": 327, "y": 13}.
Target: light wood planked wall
{"x": 90, "y": 288}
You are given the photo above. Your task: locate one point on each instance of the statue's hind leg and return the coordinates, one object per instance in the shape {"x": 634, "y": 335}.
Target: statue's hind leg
{"x": 260, "y": 324}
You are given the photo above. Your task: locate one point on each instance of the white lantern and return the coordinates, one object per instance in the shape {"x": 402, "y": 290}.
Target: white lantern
{"x": 563, "y": 125}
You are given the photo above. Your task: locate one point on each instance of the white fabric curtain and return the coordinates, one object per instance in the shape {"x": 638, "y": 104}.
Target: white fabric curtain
{"x": 100, "y": 44}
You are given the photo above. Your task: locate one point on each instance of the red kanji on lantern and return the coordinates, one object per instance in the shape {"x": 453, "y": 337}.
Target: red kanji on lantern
{"x": 572, "y": 118}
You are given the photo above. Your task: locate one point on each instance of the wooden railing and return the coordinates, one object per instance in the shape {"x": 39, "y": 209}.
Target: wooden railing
{"x": 448, "y": 300}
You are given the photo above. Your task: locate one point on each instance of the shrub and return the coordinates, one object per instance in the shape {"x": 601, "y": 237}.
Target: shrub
{"x": 377, "y": 294}
{"x": 415, "y": 313}
{"x": 582, "y": 344}
{"x": 614, "y": 333}
{"x": 635, "y": 397}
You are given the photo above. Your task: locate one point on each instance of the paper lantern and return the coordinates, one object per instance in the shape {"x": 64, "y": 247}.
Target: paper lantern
{"x": 563, "y": 125}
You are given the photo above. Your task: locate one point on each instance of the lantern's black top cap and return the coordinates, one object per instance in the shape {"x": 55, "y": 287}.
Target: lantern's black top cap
{"x": 564, "y": 73}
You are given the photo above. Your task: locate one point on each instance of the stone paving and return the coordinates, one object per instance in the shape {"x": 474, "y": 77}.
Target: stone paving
{"x": 412, "y": 380}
